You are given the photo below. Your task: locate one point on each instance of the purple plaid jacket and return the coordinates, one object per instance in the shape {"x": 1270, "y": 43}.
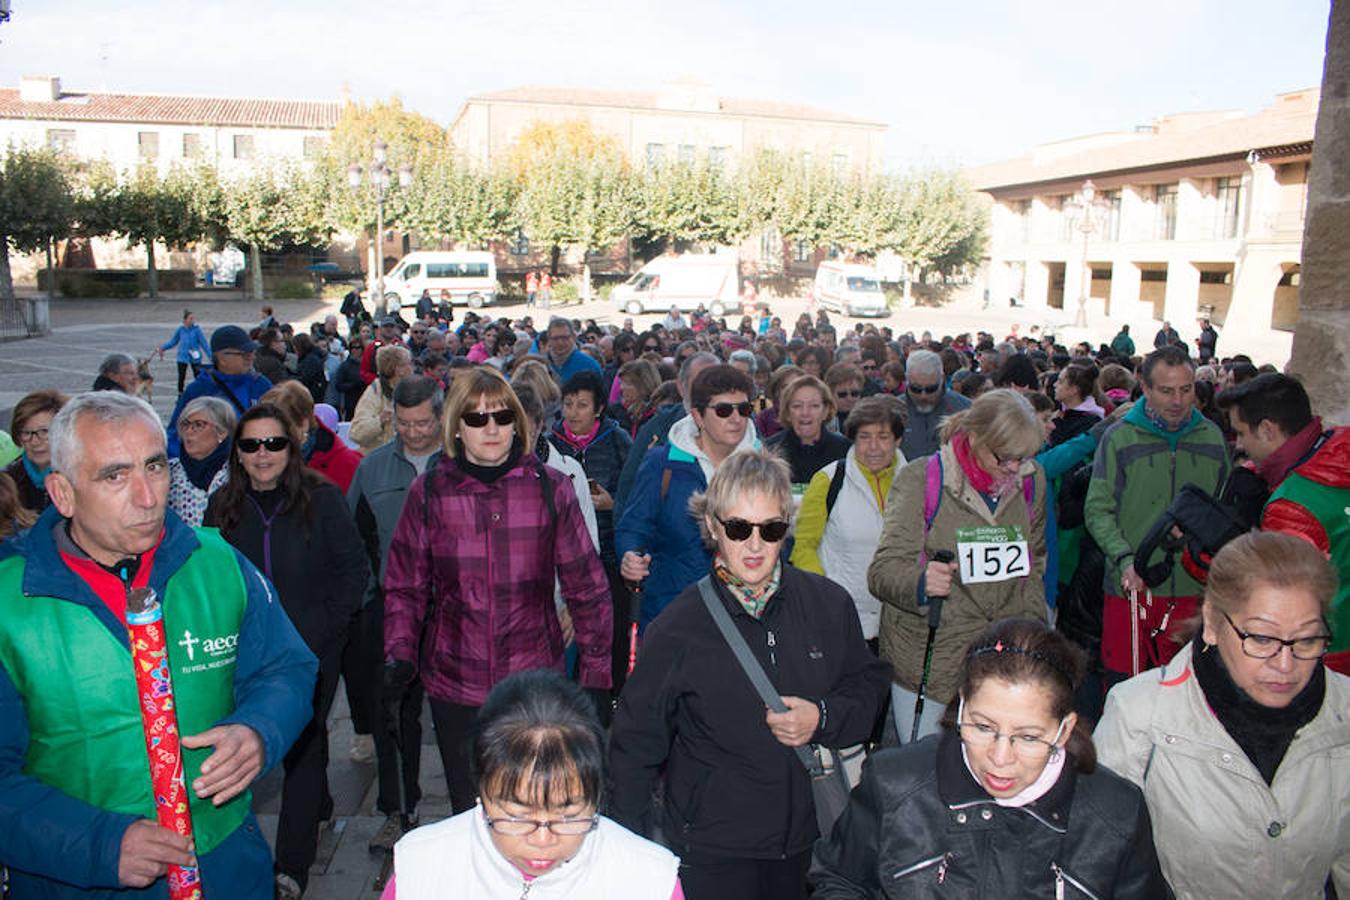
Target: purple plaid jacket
{"x": 494, "y": 553}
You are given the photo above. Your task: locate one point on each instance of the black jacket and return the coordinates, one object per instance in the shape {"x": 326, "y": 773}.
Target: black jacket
{"x": 603, "y": 461}
{"x": 918, "y": 825}
{"x": 31, "y": 496}
{"x": 272, "y": 366}
{"x": 1070, "y": 424}
{"x": 319, "y": 569}
{"x": 347, "y": 382}
{"x": 808, "y": 460}
{"x": 732, "y": 790}
{"x": 310, "y": 371}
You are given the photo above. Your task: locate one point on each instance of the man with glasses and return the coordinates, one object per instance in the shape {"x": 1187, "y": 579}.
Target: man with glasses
{"x": 75, "y": 799}
{"x": 1144, "y": 459}
{"x": 927, "y": 403}
{"x": 376, "y": 498}
{"x": 564, "y": 358}
{"x": 230, "y": 377}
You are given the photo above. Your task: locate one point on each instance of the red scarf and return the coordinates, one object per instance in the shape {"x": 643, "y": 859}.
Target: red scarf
{"x": 979, "y": 479}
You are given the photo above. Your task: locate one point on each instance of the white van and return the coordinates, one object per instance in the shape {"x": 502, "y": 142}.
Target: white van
{"x": 849, "y": 288}
{"x": 711, "y": 279}
{"x": 470, "y": 277}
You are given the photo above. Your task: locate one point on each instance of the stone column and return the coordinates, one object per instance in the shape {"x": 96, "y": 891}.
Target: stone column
{"x": 1037, "y": 284}
{"x": 1321, "y": 354}
{"x": 1125, "y": 292}
{"x": 1181, "y": 303}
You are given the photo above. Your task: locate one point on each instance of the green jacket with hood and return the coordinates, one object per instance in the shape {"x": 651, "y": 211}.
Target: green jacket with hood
{"x": 1138, "y": 470}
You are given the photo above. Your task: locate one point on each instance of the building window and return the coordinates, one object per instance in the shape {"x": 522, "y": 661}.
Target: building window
{"x": 61, "y": 140}
{"x": 147, "y": 143}
{"x": 1111, "y": 215}
{"x": 1165, "y": 212}
{"x": 801, "y": 251}
{"x": 192, "y": 146}
{"x": 656, "y": 155}
{"x": 839, "y": 164}
{"x": 717, "y": 158}
{"x": 243, "y": 146}
{"x": 313, "y": 147}
{"x": 687, "y": 154}
{"x": 1228, "y": 197}
{"x": 520, "y": 244}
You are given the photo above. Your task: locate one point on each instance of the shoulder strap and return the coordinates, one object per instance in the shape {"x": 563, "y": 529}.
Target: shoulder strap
{"x": 665, "y": 479}
{"x": 228, "y": 393}
{"x": 1029, "y": 491}
{"x": 932, "y": 491}
{"x": 547, "y": 488}
{"x": 749, "y": 665}
{"x": 836, "y": 485}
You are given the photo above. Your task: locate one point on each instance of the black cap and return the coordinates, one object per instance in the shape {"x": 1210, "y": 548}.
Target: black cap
{"x": 231, "y": 337}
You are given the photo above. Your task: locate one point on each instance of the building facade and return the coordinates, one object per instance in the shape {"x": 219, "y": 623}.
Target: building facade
{"x": 1197, "y": 215}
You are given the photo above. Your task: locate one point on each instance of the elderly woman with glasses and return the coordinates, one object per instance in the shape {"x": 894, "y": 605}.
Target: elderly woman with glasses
{"x": 469, "y": 576}
{"x": 539, "y": 754}
{"x": 738, "y": 805}
{"x": 980, "y": 502}
{"x": 1242, "y": 743}
{"x": 204, "y": 429}
{"x": 1008, "y": 802}
{"x": 29, "y": 426}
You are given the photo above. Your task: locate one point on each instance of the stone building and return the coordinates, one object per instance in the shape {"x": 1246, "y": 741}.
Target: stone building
{"x": 1194, "y": 215}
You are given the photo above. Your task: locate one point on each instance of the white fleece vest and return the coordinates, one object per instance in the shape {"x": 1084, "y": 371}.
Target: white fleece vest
{"x": 850, "y": 539}
{"x": 455, "y": 859}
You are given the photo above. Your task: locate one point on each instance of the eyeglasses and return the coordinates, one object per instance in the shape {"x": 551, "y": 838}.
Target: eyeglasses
{"x": 1009, "y": 460}
{"x": 979, "y": 736}
{"x": 272, "y": 444}
{"x": 869, "y": 367}
{"x": 192, "y": 426}
{"x": 420, "y": 425}
{"x": 923, "y": 388}
{"x": 560, "y": 827}
{"x": 1266, "y": 646}
{"x": 34, "y": 434}
{"x": 853, "y": 393}
{"x": 739, "y": 530}
{"x": 724, "y": 410}
{"x": 240, "y": 353}
{"x": 480, "y": 419}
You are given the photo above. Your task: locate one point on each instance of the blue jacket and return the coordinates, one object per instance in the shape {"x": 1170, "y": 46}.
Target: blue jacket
{"x": 188, "y": 340}
{"x": 577, "y": 362}
{"x": 60, "y": 847}
{"x": 245, "y": 390}
{"x": 664, "y": 528}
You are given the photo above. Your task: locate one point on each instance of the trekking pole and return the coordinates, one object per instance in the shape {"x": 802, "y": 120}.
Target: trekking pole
{"x": 1134, "y": 631}
{"x": 634, "y": 614}
{"x": 934, "y": 620}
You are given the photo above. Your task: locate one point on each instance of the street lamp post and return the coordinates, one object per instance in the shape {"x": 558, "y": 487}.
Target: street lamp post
{"x": 1088, "y": 206}
{"x": 378, "y": 175}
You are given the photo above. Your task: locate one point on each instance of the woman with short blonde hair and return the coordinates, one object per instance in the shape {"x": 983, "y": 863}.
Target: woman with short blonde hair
{"x": 470, "y": 572}
{"x": 373, "y": 421}
{"x": 807, "y": 407}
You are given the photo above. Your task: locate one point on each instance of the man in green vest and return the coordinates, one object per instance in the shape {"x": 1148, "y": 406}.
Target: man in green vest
{"x": 76, "y": 804}
{"x": 1307, "y": 468}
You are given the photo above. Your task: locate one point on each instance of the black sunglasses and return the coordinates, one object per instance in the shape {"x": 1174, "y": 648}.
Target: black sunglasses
{"x": 738, "y": 530}
{"x": 724, "y": 410}
{"x": 253, "y": 445}
{"x": 923, "y": 388}
{"x": 480, "y": 419}
{"x": 652, "y": 347}
{"x": 848, "y": 393}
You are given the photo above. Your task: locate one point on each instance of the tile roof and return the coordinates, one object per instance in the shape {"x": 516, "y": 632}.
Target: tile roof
{"x": 1171, "y": 140}
{"x": 651, "y": 100}
{"x": 169, "y": 110}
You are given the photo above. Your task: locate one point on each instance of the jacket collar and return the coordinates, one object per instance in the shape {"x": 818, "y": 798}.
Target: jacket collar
{"x": 959, "y": 790}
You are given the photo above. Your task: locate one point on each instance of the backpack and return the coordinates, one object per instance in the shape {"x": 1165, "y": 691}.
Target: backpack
{"x": 932, "y": 497}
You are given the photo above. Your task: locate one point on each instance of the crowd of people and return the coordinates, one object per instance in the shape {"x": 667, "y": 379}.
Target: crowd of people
{"x": 706, "y": 610}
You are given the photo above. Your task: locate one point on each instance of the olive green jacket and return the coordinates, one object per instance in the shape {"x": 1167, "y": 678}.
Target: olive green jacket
{"x": 896, "y": 573}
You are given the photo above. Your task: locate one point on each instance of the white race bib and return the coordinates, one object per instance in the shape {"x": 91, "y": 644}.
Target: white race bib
{"x": 992, "y": 553}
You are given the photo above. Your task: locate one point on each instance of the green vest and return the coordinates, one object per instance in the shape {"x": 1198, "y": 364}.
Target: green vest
{"x": 1330, "y": 506}
{"x": 79, "y": 690}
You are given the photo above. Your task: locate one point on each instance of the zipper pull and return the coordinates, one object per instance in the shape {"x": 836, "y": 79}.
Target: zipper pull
{"x": 1059, "y": 881}
{"x": 772, "y": 642}
{"x": 942, "y": 867}
{"x": 773, "y": 657}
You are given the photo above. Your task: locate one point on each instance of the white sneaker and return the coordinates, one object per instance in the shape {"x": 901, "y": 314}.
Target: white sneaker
{"x": 286, "y": 888}
{"x": 363, "y": 748}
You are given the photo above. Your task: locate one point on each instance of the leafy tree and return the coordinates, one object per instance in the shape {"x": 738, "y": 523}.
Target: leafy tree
{"x": 451, "y": 201}
{"x": 149, "y": 209}
{"x": 690, "y": 203}
{"x": 940, "y": 223}
{"x": 36, "y": 207}
{"x": 268, "y": 209}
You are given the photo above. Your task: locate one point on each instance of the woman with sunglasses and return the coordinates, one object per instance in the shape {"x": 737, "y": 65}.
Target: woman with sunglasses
{"x": 656, "y": 539}
{"x": 294, "y": 525}
{"x": 808, "y": 446}
{"x": 469, "y": 577}
{"x": 982, "y": 499}
{"x": 846, "y": 383}
{"x": 738, "y": 806}
{"x": 1008, "y": 802}
{"x": 1241, "y": 743}
{"x": 539, "y": 756}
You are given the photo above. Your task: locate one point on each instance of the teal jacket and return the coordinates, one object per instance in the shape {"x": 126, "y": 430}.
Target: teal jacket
{"x": 1138, "y": 470}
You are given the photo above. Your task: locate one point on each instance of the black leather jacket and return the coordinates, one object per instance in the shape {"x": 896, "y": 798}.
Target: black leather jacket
{"x": 920, "y": 826}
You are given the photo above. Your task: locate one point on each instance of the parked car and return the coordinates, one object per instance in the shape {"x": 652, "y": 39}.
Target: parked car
{"x": 685, "y": 281}
{"x": 850, "y": 288}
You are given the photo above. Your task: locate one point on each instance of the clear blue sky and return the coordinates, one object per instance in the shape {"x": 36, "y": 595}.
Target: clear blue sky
{"x": 957, "y": 81}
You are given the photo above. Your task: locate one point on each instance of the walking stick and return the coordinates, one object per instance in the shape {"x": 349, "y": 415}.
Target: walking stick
{"x": 1134, "y": 632}
{"x": 934, "y": 620}
{"x": 634, "y": 614}
{"x": 394, "y": 726}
